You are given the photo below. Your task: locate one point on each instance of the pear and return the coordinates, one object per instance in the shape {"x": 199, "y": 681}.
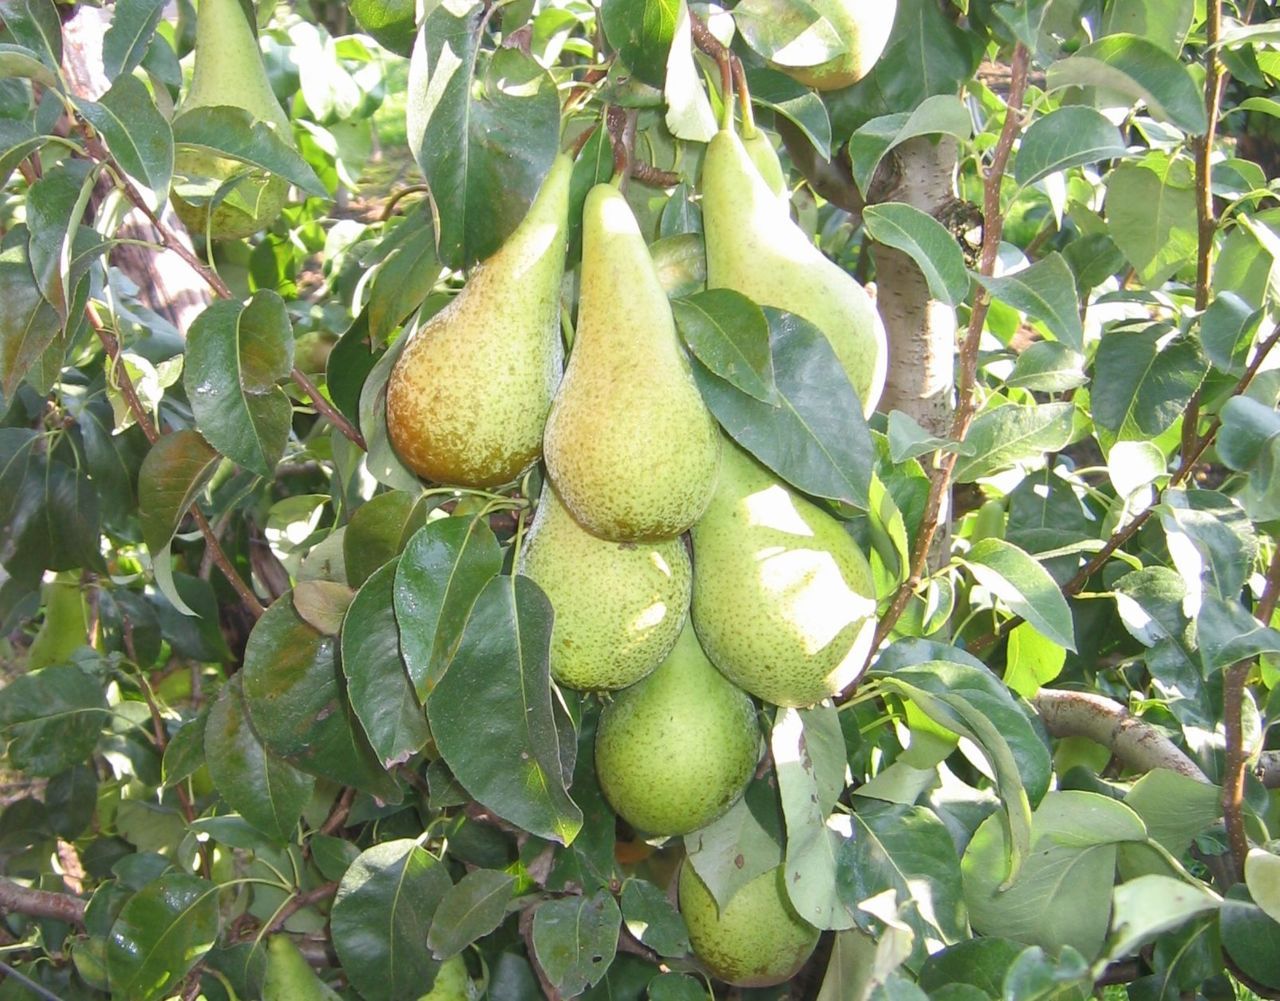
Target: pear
{"x": 630, "y": 446}
{"x": 229, "y": 72}
{"x": 783, "y": 599}
{"x": 618, "y": 606}
{"x": 863, "y": 26}
{"x": 289, "y": 977}
{"x": 765, "y": 159}
{"x": 754, "y": 248}
{"x": 676, "y": 750}
{"x": 756, "y": 940}
{"x": 468, "y": 398}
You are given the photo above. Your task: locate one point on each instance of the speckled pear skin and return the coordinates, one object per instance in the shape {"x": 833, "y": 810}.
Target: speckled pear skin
{"x": 864, "y": 27}
{"x": 619, "y": 606}
{"x": 754, "y": 248}
{"x": 765, "y": 159}
{"x": 676, "y": 750}
{"x": 783, "y": 599}
{"x": 758, "y": 940}
{"x": 630, "y": 445}
{"x": 468, "y": 399}
{"x": 228, "y": 71}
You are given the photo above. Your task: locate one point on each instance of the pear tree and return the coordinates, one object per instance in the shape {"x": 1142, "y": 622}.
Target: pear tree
{"x": 645, "y": 500}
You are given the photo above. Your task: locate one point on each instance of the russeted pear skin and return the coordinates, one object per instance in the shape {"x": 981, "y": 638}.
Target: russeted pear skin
{"x": 676, "y": 750}
{"x": 757, "y": 940}
{"x": 228, "y": 71}
{"x": 630, "y": 446}
{"x": 754, "y": 248}
{"x": 468, "y": 399}
{"x": 619, "y": 606}
{"x": 783, "y": 599}
{"x": 864, "y": 27}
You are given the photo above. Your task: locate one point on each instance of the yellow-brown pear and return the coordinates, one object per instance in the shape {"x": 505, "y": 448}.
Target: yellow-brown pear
{"x": 468, "y": 399}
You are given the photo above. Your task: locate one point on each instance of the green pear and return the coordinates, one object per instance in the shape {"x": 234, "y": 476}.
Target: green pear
{"x": 676, "y": 750}
{"x": 619, "y": 605}
{"x": 65, "y": 628}
{"x": 783, "y": 599}
{"x": 229, "y": 72}
{"x": 756, "y": 940}
{"x": 765, "y": 159}
{"x": 754, "y": 248}
{"x": 630, "y": 446}
{"x": 289, "y": 976}
{"x": 453, "y": 983}
{"x": 863, "y": 26}
{"x": 468, "y": 398}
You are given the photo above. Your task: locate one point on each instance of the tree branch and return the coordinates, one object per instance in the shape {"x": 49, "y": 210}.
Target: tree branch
{"x": 18, "y": 899}
{"x": 297, "y": 902}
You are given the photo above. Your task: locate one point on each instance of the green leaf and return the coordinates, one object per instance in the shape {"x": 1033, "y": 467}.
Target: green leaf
{"x": 811, "y": 846}
{"x": 378, "y": 684}
{"x": 138, "y": 136}
{"x": 35, "y": 24}
{"x": 1062, "y": 895}
{"x": 1165, "y": 22}
{"x": 1151, "y": 216}
{"x": 1013, "y": 433}
{"x": 641, "y": 31}
{"x": 28, "y": 322}
{"x": 729, "y": 334}
{"x": 1227, "y": 331}
{"x": 787, "y": 32}
{"x": 815, "y": 438}
{"x": 405, "y": 277}
{"x": 1032, "y": 660}
{"x": 1174, "y": 807}
{"x": 575, "y": 940}
{"x": 470, "y": 910}
{"x": 235, "y": 133}
{"x": 17, "y": 61}
{"x": 1140, "y": 70}
{"x": 1210, "y": 541}
{"x": 485, "y": 147}
{"x": 235, "y": 358}
{"x": 743, "y": 844}
{"x": 444, "y": 568}
{"x": 652, "y": 920}
{"x": 1065, "y": 138}
{"x": 1142, "y": 382}
{"x": 267, "y": 791}
{"x": 927, "y": 242}
{"x": 385, "y": 904}
{"x": 292, "y": 689}
{"x": 943, "y": 114}
{"x": 133, "y": 25}
{"x": 173, "y": 473}
{"x": 1046, "y": 291}
{"x": 689, "y": 115}
{"x": 491, "y": 713}
{"x": 677, "y": 987}
{"x": 162, "y": 932}
{"x": 1147, "y": 907}
{"x": 55, "y": 207}
{"x": 1262, "y": 876}
{"x": 981, "y": 963}
{"x": 794, "y": 102}
{"x": 1228, "y": 634}
{"x": 1025, "y": 586}
{"x": 1048, "y": 367}
{"x": 378, "y": 532}
{"x": 1250, "y": 938}
{"x": 18, "y": 140}
{"x": 51, "y": 719}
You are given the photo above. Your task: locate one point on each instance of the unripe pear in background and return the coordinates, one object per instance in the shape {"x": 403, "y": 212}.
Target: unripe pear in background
{"x": 754, "y": 248}
{"x": 618, "y": 606}
{"x": 468, "y": 399}
{"x": 864, "y": 27}
{"x": 289, "y": 976}
{"x": 676, "y": 750}
{"x": 783, "y": 599}
{"x": 229, "y": 72}
{"x": 756, "y": 940}
{"x": 630, "y": 445}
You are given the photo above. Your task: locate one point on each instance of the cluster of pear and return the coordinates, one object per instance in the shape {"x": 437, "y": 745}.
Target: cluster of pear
{"x": 228, "y": 72}
{"x": 777, "y": 601}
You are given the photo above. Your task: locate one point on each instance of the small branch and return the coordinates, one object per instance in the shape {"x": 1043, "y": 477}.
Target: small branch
{"x": 18, "y": 899}
{"x": 112, "y": 347}
{"x": 992, "y": 229}
{"x": 324, "y": 891}
{"x": 708, "y": 43}
{"x": 616, "y": 122}
{"x": 337, "y": 818}
{"x": 1138, "y": 745}
{"x": 394, "y": 200}
{"x": 648, "y": 174}
{"x": 327, "y": 409}
{"x": 1233, "y": 692}
{"x": 575, "y": 150}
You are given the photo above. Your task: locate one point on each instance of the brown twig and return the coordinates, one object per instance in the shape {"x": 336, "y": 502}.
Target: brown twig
{"x": 327, "y": 409}
{"x": 297, "y": 902}
{"x": 337, "y": 818}
{"x": 708, "y": 43}
{"x": 111, "y": 345}
{"x": 615, "y": 120}
{"x": 992, "y": 229}
{"x": 1233, "y": 690}
{"x": 648, "y": 174}
{"x": 575, "y": 149}
{"x": 18, "y": 899}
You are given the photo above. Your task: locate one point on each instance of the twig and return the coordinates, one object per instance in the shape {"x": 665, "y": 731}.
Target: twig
{"x": 112, "y": 347}
{"x": 18, "y": 899}
{"x": 616, "y": 122}
{"x": 337, "y": 818}
{"x": 575, "y": 150}
{"x": 327, "y": 409}
{"x": 394, "y": 200}
{"x": 1233, "y": 689}
{"x": 708, "y": 43}
{"x": 7, "y": 972}
{"x": 648, "y": 174}
{"x": 297, "y": 902}
{"x": 992, "y": 229}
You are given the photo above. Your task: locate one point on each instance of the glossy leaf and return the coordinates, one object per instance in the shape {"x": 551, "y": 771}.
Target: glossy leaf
{"x": 574, "y": 940}
{"x": 791, "y": 33}
{"x": 444, "y": 568}
{"x": 172, "y": 475}
{"x": 794, "y": 102}
{"x": 378, "y": 684}
{"x": 384, "y": 906}
{"x": 941, "y": 114}
{"x": 267, "y": 791}
{"x": 379, "y": 531}
{"x": 28, "y": 323}
{"x": 162, "y": 931}
{"x": 36, "y": 25}
{"x": 1228, "y": 634}
{"x": 1151, "y": 216}
{"x": 470, "y": 910}
{"x": 1174, "y": 807}
{"x": 641, "y": 31}
{"x": 1048, "y": 367}
{"x": 1025, "y": 586}
{"x": 405, "y": 277}
{"x": 730, "y": 336}
{"x": 133, "y": 25}
{"x": 1011, "y": 433}
{"x": 51, "y": 719}
{"x": 1046, "y": 291}
{"x": 1065, "y": 138}
{"x": 135, "y": 132}
{"x": 652, "y": 920}
{"x": 1032, "y": 659}
{"x": 491, "y": 714}
{"x": 927, "y": 242}
{"x": 235, "y": 358}
{"x": 234, "y": 133}
{"x": 1141, "y": 384}
{"x": 745, "y": 843}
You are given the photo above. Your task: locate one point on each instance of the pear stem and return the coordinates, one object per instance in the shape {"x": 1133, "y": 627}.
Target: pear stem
{"x": 708, "y": 43}
{"x": 749, "y": 129}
